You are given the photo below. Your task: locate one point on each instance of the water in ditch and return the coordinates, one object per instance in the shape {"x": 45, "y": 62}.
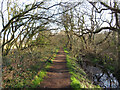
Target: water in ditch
{"x": 103, "y": 79}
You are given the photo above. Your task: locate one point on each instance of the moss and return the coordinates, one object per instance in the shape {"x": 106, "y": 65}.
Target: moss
{"x": 75, "y": 83}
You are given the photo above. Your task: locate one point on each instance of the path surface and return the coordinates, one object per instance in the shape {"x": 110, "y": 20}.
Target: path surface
{"x": 58, "y": 75}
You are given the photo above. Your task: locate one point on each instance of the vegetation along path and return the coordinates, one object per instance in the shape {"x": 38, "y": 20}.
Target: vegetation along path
{"x": 58, "y": 75}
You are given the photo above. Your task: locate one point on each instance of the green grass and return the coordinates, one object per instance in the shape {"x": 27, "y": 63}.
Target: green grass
{"x": 39, "y": 77}
{"x": 78, "y": 78}
{"x": 65, "y": 50}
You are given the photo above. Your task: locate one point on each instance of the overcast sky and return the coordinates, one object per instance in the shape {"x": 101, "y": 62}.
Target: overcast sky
{"x": 22, "y": 3}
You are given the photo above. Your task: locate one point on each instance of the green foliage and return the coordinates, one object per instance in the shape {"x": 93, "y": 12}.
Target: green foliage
{"x": 65, "y": 50}
{"x": 38, "y": 78}
{"x": 95, "y": 60}
{"x": 41, "y": 40}
{"x": 111, "y": 68}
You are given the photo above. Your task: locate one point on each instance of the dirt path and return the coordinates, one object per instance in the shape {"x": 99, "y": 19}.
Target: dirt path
{"x": 58, "y": 75}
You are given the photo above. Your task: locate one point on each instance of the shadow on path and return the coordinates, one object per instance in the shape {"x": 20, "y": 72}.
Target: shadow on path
{"x": 58, "y": 75}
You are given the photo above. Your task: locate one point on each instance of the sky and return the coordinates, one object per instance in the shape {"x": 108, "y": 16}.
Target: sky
{"x": 22, "y": 3}
{"x": 25, "y": 2}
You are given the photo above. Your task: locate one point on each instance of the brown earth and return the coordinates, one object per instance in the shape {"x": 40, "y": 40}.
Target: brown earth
{"x": 58, "y": 75}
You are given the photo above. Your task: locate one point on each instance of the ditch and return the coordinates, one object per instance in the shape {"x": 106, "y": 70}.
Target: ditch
{"x": 100, "y": 77}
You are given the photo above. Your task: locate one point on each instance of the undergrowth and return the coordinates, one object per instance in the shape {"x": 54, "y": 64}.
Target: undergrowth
{"x": 105, "y": 61}
{"x": 27, "y": 69}
{"x": 39, "y": 77}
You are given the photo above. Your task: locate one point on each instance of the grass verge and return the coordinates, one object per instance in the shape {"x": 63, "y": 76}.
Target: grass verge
{"x": 40, "y": 76}
{"x": 78, "y": 78}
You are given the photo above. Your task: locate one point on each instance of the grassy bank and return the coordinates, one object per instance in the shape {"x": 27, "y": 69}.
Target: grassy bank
{"x": 79, "y": 79}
